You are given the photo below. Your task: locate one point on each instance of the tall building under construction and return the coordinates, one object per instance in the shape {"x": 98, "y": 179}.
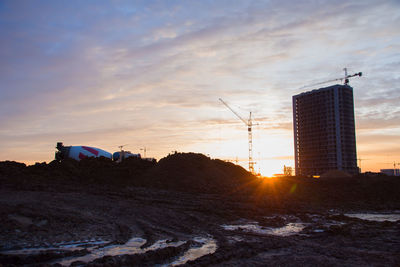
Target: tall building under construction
{"x": 324, "y": 131}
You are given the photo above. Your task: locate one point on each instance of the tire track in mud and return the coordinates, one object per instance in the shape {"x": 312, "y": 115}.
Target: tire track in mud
{"x": 172, "y": 220}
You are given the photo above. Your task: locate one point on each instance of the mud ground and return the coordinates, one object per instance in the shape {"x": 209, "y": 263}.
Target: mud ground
{"x": 189, "y": 195}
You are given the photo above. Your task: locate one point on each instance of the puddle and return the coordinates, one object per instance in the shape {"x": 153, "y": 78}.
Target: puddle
{"x": 234, "y": 239}
{"x": 130, "y": 247}
{"x": 375, "y": 216}
{"x": 133, "y": 246}
{"x": 163, "y": 244}
{"x": 285, "y": 217}
{"x": 208, "y": 246}
{"x": 287, "y": 230}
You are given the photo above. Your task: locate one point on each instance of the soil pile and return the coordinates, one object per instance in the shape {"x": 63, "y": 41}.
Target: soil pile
{"x": 197, "y": 173}
{"x": 72, "y": 175}
{"x": 188, "y": 172}
{"x": 335, "y": 174}
{"x": 193, "y": 172}
{"x": 358, "y": 192}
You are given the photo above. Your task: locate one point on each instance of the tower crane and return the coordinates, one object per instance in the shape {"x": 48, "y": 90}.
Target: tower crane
{"x": 144, "y": 150}
{"x": 249, "y": 123}
{"x": 122, "y": 146}
{"x": 345, "y": 79}
{"x": 122, "y": 153}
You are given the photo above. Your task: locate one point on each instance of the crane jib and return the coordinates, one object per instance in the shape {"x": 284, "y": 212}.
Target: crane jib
{"x": 249, "y": 124}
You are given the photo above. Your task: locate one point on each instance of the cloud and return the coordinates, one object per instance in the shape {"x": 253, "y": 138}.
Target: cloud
{"x": 81, "y": 70}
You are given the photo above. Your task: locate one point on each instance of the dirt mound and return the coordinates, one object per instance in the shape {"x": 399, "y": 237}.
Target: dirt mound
{"x": 335, "y": 174}
{"x": 197, "y": 173}
{"x": 187, "y": 172}
{"x": 71, "y": 175}
{"x": 11, "y": 167}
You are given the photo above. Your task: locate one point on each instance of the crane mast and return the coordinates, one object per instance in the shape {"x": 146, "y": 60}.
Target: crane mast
{"x": 249, "y": 124}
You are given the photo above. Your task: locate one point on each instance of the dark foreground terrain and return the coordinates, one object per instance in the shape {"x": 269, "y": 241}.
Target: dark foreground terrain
{"x": 189, "y": 209}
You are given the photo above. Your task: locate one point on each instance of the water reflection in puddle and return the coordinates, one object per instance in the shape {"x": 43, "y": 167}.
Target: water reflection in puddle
{"x": 375, "y": 217}
{"x": 287, "y": 230}
{"x": 97, "y": 250}
{"x": 208, "y": 246}
{"x": 133, "y": 246}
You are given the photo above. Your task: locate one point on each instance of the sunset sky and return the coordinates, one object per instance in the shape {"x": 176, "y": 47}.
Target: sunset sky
{"x": 149, "y": 74}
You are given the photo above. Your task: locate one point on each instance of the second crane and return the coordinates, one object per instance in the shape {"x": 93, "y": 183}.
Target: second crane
{"x": 249, "y": 124}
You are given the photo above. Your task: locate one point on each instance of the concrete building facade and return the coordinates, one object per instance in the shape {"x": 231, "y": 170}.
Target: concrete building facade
{"x": 324, "y": 131}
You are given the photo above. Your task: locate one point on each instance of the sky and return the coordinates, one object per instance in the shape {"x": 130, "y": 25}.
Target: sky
{"x": 148, "y": 74}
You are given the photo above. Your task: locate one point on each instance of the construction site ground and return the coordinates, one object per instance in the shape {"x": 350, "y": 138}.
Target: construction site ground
{"x": 190, "y": 210}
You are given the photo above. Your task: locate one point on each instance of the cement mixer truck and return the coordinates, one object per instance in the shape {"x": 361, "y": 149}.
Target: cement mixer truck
{"x": 81, "y": 152}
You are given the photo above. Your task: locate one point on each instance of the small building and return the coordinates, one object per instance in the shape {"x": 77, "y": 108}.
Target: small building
{"x": 391, "y": 172}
